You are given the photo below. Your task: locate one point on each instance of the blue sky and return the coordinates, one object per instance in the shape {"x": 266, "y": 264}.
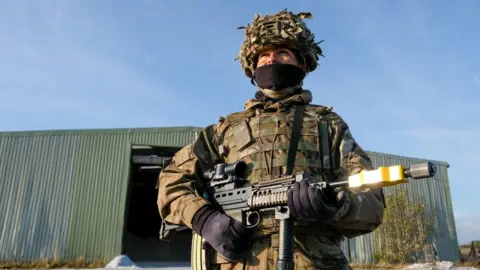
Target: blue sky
{"x": 405, "y": 75}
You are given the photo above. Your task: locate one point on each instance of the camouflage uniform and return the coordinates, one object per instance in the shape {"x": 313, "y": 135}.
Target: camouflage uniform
{"x": 260, "y": 136}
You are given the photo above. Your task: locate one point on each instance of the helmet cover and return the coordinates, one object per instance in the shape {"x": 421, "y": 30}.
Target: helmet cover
{"x": 282, "y": 29}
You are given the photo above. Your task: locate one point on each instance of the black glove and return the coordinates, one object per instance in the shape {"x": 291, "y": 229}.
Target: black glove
{"x": 227, "y": 236}
{"x": 309, "y": 203}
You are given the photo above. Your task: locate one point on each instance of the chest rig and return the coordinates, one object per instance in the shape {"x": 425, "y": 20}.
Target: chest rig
{"x": 278, "y": 142}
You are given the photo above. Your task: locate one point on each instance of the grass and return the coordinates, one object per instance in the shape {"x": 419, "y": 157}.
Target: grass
{"x": 49, "y": 264}
{"x": 476, "y": 243}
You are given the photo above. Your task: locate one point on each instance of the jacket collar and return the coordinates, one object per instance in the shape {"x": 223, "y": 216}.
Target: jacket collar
{"x": 304, "y": 97}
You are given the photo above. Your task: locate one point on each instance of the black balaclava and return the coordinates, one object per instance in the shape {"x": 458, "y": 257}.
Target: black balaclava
{"x": 278, "y": 76}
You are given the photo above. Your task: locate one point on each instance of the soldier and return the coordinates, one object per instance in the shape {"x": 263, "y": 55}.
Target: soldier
{"x": 278, "y": 51}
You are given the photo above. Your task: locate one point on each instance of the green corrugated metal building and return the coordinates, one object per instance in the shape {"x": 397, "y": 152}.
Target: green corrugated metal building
{"x": 92, "y": 193}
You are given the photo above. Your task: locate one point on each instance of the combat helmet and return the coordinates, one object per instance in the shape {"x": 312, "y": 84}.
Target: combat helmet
{"x": 280, "y": 29}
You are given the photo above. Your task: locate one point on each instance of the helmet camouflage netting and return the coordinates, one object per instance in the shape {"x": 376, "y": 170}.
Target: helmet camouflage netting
{"x": 280, "y": 29}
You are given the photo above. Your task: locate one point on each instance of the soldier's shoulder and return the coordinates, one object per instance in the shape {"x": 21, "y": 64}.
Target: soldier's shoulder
{"x": 228, "y": 120}
{"x": 327, "y": 112}
{"x": 232, "y": 118}
{"x": 224, "y": 122}
{"x": 319, "y": 108}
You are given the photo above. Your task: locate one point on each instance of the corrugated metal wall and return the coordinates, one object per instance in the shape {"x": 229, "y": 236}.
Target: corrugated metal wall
{"x": 433, "y": 192}
{"x": 63, "y": 193}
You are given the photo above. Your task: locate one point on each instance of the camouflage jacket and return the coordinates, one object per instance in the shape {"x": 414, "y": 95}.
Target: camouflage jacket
{"x": 259, "y": 135}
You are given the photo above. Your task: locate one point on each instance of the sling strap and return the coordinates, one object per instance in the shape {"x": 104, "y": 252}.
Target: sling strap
{"x": 295, "y": 137}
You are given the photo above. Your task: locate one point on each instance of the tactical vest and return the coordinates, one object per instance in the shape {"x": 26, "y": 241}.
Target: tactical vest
{"x": 261, "y": 139}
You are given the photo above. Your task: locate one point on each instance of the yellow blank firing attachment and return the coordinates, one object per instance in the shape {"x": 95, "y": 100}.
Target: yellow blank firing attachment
{"x": 392, "y": 175}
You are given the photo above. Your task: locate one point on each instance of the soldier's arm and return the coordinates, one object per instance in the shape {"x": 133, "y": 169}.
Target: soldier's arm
{"x": 180, "y": 181}
{"x": 365, "y": 208}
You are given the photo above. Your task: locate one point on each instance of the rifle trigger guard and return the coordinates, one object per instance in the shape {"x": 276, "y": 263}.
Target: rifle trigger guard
{"x": 252, "y": 219}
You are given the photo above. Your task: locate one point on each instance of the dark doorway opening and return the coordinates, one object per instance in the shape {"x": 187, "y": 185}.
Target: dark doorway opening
{"x": 142, "y": 225}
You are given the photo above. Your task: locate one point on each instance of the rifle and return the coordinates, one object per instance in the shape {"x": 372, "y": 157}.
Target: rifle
{"x": 245, "y": 203}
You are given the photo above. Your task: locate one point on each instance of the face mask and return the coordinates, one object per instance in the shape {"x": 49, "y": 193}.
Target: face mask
{"x": 278, "y": 76}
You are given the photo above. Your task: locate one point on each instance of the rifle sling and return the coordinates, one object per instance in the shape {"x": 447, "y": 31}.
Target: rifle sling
{"x": 295, "y": 137}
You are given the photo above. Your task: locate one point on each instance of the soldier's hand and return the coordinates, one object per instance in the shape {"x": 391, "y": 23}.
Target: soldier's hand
{"x": 227, "y": 236}
{"x": 309, "y": 203}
